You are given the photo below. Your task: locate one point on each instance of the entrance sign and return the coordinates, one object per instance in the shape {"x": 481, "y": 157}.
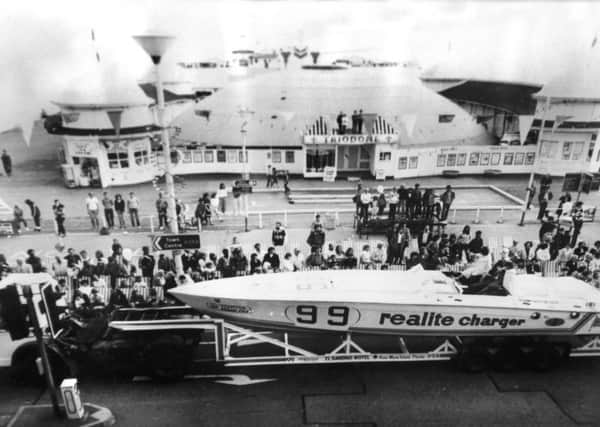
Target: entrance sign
{"x": 351, "y": 139}
{"x": 169, "y": 242}
{"x": 329, "y": 173}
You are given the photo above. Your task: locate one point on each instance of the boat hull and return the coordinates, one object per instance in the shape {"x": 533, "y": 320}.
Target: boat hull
{"x": 457, "y": 319}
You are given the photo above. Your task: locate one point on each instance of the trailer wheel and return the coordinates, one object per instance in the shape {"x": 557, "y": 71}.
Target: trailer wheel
{"x": 546, "y": 356}
{"x": 505, "y": 358}
{"x": 168, "y": 357}
{"x": 472, "y": 359}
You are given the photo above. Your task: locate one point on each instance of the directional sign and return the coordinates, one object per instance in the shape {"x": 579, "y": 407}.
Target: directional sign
{"x": 169, "y": 242}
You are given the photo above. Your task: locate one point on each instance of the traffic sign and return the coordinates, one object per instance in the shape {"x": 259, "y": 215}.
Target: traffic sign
{"x": 170, "y": 242}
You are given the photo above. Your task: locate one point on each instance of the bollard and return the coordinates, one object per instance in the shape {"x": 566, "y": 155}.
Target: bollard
{"x": 476, "y": 220}
{"x": 151, "y": 223}
{"x": 285, "y": 218}
{"x": 260, "y": 220}
{"x": 453, "y": 220}
{"x": 501, "y": 219}
{"x": 72, "y": 399}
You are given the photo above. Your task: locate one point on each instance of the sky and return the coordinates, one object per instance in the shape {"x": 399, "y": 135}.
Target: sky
{"x": 48, "y": 53}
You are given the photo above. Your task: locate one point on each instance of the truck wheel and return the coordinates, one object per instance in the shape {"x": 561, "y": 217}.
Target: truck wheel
{"x": 168, "y": 357}
{"x": 23, "y": 366}
{"x": 505, "y": 358}
{"x": 546, "y": 357}
{"x": 25, "y": 370}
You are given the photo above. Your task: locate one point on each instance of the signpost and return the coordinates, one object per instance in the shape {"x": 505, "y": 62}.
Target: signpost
{"x": 173, "y": 242}
{"x": 329, "y": 173}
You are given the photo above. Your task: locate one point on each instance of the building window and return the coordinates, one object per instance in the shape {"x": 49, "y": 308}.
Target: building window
{"x": 221, "y": 156}
{"x": 242, "y": 158}
{"x": 567, "y": 147}
{"x": 441, "y": 160}
{"x": 276, "y": 156}
{"x": 577, "y": 150}
{"x": 461, "y": 159}
{"x": 402, "y": 162}
{"x": 485, "y": 159}
{"x": 209, "y": 157}
{"x": 197, "y": 156}
{"x": 519, "y": 158}
{"x": 141, "y": 157}
{"x": 474, "y": 159}
{"x": 548, "y": 149}
{"x": 413, "y": 162}
{"x": 117, "y": 159}
{"x": 290, "y": 157}
{"x": 445, "y": 118}
{"x": 529, "y": 158}
{"x": 187, "y": 157}
{"x": 317, "y": 160}
{"x": 232, "y": 156}
{"x": 495, "y": 159}
{"x": 508, "y": 159}
{"x": 451, "y": 160}
{"x": 385, "y": 156}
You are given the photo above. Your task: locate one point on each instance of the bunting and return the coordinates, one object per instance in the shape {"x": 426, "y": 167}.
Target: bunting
{"x": 95, "y": 47}
{"x": 559, "y": 120}
{"x": 300, "y": 52}
{"x": 285, "y": 54}
{"x": 315, "y": 57}
{"x": 203, "y": 113}
{"x": 525, "y": 122}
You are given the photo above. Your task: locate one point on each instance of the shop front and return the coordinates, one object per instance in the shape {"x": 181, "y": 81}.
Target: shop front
{"x": 345, "y": 153}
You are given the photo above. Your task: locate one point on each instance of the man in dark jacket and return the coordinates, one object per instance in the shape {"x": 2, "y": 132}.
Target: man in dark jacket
{"x": 447, "y": 199}
{"x": 34, "y": 261}
{"x": 36, "y": 214}
{"x": 224, "y": 264}
{"x": 272, "y": 258}
{"x": 278, "y": 235}
{"x": 316, "y": 238}
{"x": 476, "y": 243}
{"x": 402, "y": 200}
{"x": 146, "y": 263}
{"x": 417, "y": 200}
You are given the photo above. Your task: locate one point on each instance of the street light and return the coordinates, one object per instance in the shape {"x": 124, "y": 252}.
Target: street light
{"x": 244, "y": 113}
{"x": 156, "y": 46}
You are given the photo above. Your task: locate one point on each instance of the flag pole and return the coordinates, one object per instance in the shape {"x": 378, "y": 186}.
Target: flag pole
{"x": 537, "y": 159}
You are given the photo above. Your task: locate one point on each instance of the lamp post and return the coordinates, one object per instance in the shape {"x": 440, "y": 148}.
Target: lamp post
{"x": 537, "y": 159}
{"x": 155, "y": 46}
{"x": 245, "y": 112}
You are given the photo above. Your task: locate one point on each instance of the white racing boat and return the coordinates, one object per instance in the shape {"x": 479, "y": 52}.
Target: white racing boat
{"x": 425, "y": 303}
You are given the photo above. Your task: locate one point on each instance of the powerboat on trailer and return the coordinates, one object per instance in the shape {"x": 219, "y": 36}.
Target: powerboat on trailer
{"x": 424, "y": 303}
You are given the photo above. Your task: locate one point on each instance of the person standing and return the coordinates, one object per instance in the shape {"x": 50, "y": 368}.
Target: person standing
{"x": 237, "y": 198}
{"x": 340, "y": 122}
{"x": 532, "y": 191}
{"x": 36, "y": 214}
{"x": 417, "y": 200}
{"x": 93, "y": 206}
{"x": 147, "y": 263}
{"x": 133, "y": 206}
{"x": 59, "y": 217}
{"x": 354, "y": 122}
{"x": 393, "y": 203}
{"x": 6, "y": 163}
{"x": 161, "y": 210}
{"x": 447, "y": 199}
{"x": 109, "y": 213}
{"x": 222, "y": 195}
{"x": 316, "y": 238}
{"x": 402, "y": 200}
{"x": 359, "y": 121}
{"x": 577, "y": 222}
{"x": 18, "y": 219}
{"x": 120, "y": 209}
{"x": 278, "y": 235}
{"x": 543, "y": 199}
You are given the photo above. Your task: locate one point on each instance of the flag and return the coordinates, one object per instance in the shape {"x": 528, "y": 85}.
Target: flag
{"x": 595, "y": 40}
{"x": 300, "y": 52}
{"x": 203, "y": 113}
{"x": 315, "y": 57}
{"x": 97, "y": 57}
{"x": 285, "y": 54}
{"x": 93, "y": 35}
{"x": 115, "y": 119}
{"x": 525, "y": 121}
{"x": 559, "y": 120}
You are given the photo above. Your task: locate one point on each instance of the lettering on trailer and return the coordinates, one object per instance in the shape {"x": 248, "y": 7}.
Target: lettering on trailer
{"x": 169, "y": 242}
{"x": 438, "y": 319}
